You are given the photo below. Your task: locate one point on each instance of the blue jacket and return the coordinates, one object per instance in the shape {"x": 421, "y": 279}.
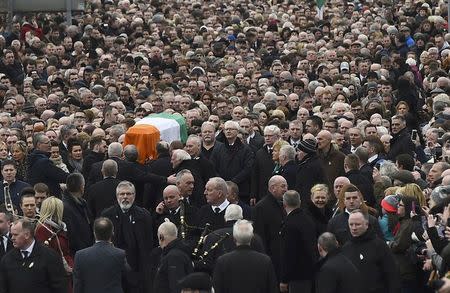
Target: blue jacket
{"x": 384, "y": 226}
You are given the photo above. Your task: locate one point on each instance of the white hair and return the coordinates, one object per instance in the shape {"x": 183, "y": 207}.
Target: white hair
{"x": 243, "y": 232}
{"x": 168, "y": 229}
{"x": 181, "y": 155}
{"x": 233, "y": 213}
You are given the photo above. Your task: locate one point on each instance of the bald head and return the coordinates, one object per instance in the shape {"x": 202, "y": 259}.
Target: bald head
{"x": 171, "y": 190}
{"x": 324, "y": 138}
{"x": 167, "y": 232}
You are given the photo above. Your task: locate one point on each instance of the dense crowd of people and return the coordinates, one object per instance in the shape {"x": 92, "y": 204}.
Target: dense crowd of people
{"x": 317, "y": 157}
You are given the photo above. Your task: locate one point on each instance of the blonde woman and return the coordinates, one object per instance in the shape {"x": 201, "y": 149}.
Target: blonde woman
{"x": 318, "y": 208}
{"x": 52, "y": 231}
{"x": 276, "y": 155}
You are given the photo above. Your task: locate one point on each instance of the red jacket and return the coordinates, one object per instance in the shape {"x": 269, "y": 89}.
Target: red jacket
{"x": 48, "y": 238}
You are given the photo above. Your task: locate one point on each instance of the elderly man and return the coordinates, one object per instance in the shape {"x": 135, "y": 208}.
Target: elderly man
{"x": 298, "y": 241}
{"x": 234, "y": 160}
{"x": 332, "y": 159}
{"x": 268, "y": 217}
{"x": 175, "y": 263}
{"x": 181, "y": 160}
{"x": 288, "y": 165}
{"x": 253, "y": 139}
{"x": 209, "y": 142}
{"x": 132, "y": 226}
{"x": 213, "y": 211}
{"x": 243, "y": 269}
{"x": 336, "y": 272}
{"x": 193, "y": 148}
{"x": 101, "y": 195}
{"x": 434, "y": 176}
{"x": 224, "y": 240}
{"x": 264, "y": 164}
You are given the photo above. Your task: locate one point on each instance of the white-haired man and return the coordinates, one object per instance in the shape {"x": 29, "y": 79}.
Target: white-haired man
{"x": 243, "y": 269}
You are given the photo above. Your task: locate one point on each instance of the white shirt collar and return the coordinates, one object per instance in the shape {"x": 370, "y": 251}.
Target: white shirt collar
{"x": 372, "y": 158}
{"x": 222, "y": 206}
{"x": 30, "y": 248}
{"x": 250, "y": 136}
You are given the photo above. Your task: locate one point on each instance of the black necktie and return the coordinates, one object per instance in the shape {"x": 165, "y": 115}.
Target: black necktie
{"x": 173, "y": 212}
{"x": 24, "y": 254}
{"x": 2, "y": 244}
{"x": 217, "y": 210}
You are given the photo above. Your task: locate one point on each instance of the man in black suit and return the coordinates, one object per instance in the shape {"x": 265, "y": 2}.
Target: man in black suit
{"x": 133, "y": 228}
{"x": 288, "y": 165}
{"x": 5, "y": 235}
{"x": 216, "y": 197}
{"x": 172, "y": 207}
{"x": 100, "y": 268}
{"x": 371, "y": 256}
{"x": 264, "y": 165}
{"x": 298, "y": 247}
{"x": 31, "y": 266}
{"x": 102, "y": 195}
{"x": 254, "y": 139}
{"x": 243, "y": 269}
{"x": 66, "y": 132}
{"x": 204, "y": 165}
{"x": 76, "y": 214}
{"x": 175, "y": 263}
{"x": 38, "y": 161}
{"x": 185, "y": 182}
{"x": 96, "y": 153}
{"x": 336, "y": 273}
{"x": 268, "y": 217}
{"x": 209, "y": 142}
{"x": 234, "y": 160}
{"x": 181, "y": 160}
{"x": 352, "y": 172}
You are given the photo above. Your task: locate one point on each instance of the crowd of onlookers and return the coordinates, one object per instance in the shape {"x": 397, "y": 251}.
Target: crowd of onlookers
{"x": 328, "y": 127}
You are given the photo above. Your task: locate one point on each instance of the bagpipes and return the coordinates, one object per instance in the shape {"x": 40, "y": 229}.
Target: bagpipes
{"x": 184, "y": 227}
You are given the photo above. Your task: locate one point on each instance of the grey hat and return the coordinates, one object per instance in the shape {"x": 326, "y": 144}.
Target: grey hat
{"x": 404, "y": 176}
{"x": 440, "y": 193}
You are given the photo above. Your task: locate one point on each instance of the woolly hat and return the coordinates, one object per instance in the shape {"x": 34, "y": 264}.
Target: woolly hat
{"x": 390, "y": 203}
{"x": 308, "y": 146}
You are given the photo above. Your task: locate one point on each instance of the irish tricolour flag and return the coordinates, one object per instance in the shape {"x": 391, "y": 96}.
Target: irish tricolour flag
{"x": 148, "y": 131}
